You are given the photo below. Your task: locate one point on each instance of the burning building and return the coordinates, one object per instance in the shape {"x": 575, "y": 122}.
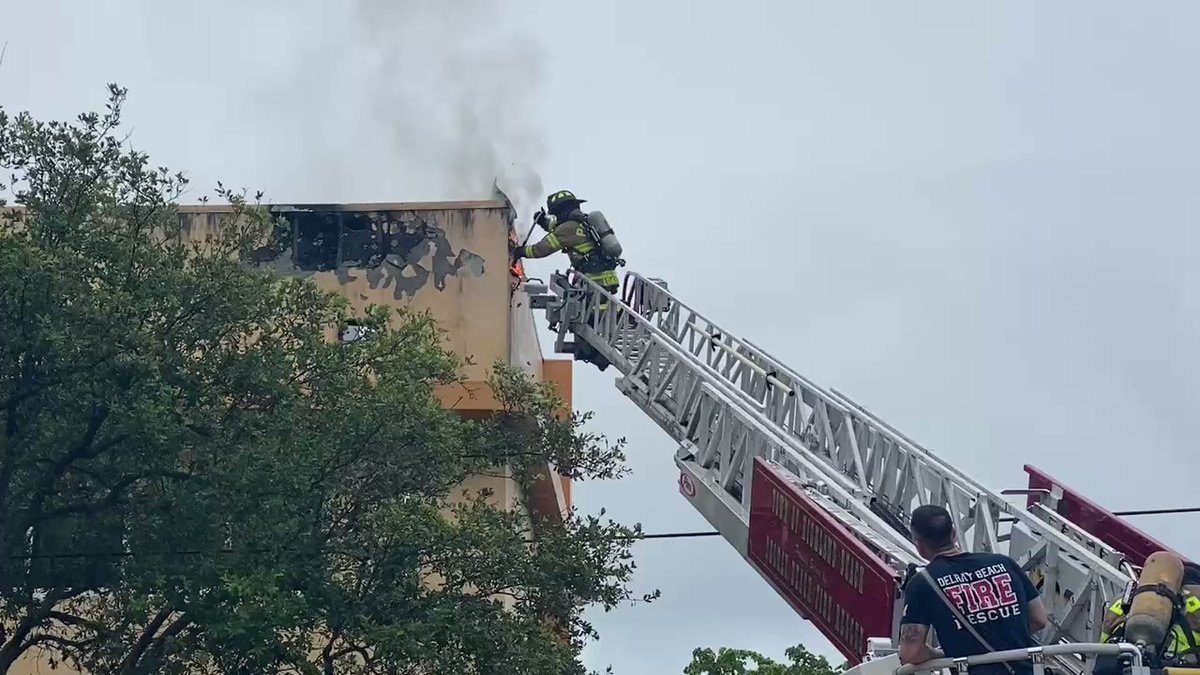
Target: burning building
{"x": 449, "y": 258}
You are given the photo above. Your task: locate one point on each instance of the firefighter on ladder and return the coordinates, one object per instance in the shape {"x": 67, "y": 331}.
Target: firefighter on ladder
{"x": 590, "y": 245}
{"x": 1160, "y": 612}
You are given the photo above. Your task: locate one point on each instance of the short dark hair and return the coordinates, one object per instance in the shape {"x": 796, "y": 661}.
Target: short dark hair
{"x": 933, "y": 526}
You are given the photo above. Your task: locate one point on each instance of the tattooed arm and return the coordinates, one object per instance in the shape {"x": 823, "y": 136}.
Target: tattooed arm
{"x": 913, "y": 648}
{"x": 914, "y": 624}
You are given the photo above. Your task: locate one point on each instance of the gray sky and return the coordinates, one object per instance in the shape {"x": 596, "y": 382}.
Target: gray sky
{"x": 978, "y": 219}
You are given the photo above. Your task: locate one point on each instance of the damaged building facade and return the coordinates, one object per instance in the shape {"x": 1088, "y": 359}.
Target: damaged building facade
{"x": 450, "y": 258}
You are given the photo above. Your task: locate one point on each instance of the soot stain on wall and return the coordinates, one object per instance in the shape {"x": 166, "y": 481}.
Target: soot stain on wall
{"x": 401, "y": 250}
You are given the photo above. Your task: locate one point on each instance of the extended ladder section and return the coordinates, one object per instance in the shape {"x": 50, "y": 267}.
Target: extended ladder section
{"x": 811, "y": 488}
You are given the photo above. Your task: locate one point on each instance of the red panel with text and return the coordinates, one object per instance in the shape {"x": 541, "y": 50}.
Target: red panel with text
{"x": 1100, "y": 522}
{"x": 824, "y": 572}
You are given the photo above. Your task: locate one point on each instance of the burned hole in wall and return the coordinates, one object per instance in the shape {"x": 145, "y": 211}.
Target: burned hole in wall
{"x": 361, "y": 240}
{"x": 405, "y": 250}
{"x": 325, "y": 239}
{"x": 316, "y": 240}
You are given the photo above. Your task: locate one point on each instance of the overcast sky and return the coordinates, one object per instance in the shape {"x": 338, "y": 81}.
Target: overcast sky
{"x": 976, "y": 218}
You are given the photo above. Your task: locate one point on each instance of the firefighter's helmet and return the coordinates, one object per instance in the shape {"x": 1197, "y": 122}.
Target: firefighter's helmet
{"x": 562, "y": 199}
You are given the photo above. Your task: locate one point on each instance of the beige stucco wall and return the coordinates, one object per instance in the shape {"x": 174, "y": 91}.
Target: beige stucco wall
{"x": 35, "y": 663}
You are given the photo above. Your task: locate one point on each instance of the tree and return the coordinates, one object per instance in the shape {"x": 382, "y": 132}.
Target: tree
{"x": 195, "y": 478}
{"x": 744, "y": 662}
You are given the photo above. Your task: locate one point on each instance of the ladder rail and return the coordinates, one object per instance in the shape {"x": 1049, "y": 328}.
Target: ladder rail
{"x": 843, "y": 403}
{"x": 933, "y": 470}
{"x": 726, "y": 401}
{"x": 831, "y": 404}
{"x": 839, "y": 401}
{"x": 733, "y": 412}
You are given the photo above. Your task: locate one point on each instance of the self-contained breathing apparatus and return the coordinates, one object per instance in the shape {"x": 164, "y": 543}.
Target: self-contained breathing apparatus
{"x": 1159, "y": 612}
{"x": 606, "y": 251}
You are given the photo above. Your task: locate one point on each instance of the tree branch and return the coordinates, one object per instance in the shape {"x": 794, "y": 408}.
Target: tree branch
{"x": 327, "y": 655}
{"x": 8, "y": 460}
{"x": 83, "y": 447}
{"x": 83, "y": 450}
{"x": 72, "y": 620}
{"x": 30, "y": 389}
{"x": 113, "y": 498}
{"x": 160, "y": 642}
{"x": 352, "y": 648}
{"x": 143, "y": 642}
{"x": 58, "y": 641}
{"x": 34, "y": 616}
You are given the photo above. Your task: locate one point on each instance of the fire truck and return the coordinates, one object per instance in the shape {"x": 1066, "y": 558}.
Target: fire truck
{"x": 814, "y": 490}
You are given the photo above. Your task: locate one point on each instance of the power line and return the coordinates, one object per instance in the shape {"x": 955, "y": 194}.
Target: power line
{"x": 714, "y": 533}
{"x": 1155, "y": 512}
{"x": 276, "y": 551}
{"x": 678, "y": 535}
{"x": 80, "y": 555}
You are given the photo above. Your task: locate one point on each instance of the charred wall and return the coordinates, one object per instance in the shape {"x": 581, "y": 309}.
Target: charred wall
{"x": 449, "y": 258}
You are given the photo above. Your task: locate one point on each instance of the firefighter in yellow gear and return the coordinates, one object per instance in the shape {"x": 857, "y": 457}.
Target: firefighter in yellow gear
{"x": 568, "y": 229}
{"x": 1181, "y": 646}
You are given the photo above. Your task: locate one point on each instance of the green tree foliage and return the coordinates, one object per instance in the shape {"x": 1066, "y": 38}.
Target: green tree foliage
{"x": 194, "y": 478}
{"x": 727, "y": 661}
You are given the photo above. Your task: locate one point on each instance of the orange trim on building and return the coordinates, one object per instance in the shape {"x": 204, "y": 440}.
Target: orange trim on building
{"x": 559, "y": 372}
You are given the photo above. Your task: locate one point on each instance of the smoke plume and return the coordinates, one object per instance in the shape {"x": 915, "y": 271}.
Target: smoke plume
{"x": 459, "y": 88}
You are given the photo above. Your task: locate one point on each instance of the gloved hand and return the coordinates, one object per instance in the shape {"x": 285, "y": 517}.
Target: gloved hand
{"x": 539, "y": 218}
{"x": 515, "y": 251}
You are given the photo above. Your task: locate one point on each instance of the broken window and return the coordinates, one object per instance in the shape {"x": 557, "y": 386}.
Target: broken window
{"x": 316, "y": 239}
{"x": 325, "y": 239}
{"x": 360, "y": 241}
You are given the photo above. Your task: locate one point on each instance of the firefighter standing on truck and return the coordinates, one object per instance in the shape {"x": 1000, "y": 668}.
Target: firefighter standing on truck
{"x": 1160, "y": 612}
{"x": 589, "y": 243}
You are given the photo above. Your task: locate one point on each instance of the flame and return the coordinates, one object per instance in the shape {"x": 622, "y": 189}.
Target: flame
{"x": 517, "y": 269}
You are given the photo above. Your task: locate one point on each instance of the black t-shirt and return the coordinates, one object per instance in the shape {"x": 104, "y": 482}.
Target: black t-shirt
{"x": 991, "y": 592}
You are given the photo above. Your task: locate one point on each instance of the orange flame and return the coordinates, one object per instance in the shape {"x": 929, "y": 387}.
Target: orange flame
{"x": 517, "y": 269}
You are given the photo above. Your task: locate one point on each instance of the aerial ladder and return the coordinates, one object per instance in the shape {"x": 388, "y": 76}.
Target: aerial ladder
{"x": 814, "y": 490}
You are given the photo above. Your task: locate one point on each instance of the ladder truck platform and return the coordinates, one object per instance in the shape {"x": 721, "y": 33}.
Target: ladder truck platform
{"x": 814, "y": 490}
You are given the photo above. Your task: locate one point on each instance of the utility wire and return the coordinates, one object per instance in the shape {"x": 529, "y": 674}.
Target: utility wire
{"x": 276, "y": 551}
{"x": 79, "y": 555}
{"x": 676, "y": 535}
{"x": 184, "y": 553}
{"x": 1155, "y": 512}
{"x": 714, "y": 533}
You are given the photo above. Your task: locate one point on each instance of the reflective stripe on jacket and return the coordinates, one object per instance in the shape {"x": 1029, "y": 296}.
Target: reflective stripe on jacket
{"x": 571, "y": 237}
{"x": 1181, "y": 643}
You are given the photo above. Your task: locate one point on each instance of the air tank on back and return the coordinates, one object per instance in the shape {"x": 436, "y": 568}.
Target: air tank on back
{"x": 1150, "y": 613}
{"x": 604, "y": 231}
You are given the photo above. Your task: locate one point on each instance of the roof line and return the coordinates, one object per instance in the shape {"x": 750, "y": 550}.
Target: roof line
{"x": 359, "y": 206}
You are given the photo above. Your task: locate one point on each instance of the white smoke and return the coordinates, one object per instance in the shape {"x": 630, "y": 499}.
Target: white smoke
{"x": 460, "y": 91}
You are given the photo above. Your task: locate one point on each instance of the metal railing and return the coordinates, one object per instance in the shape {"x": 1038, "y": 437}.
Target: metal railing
{"x": 1038, "y": 656}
